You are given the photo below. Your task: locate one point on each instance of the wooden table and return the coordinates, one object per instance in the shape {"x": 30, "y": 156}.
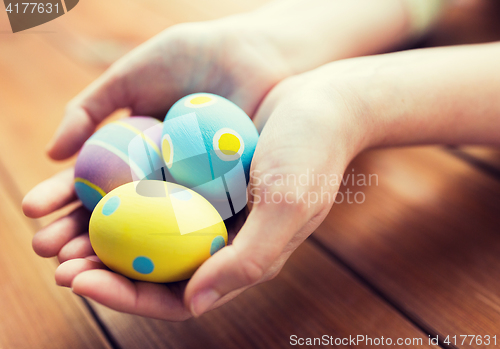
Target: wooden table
{"x": 419, "y": 258}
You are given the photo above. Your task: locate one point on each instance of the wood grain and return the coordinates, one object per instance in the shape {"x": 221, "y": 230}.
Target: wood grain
{"x": 34, "y": 312}
{"x": 311, "y": 297}
{"x": 427, "y": 237}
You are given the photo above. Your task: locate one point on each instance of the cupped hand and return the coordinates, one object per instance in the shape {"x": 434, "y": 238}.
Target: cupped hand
{"x": 308, "y": 128}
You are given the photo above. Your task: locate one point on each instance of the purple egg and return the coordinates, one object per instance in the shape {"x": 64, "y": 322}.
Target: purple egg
{"x": 123, "y": 151}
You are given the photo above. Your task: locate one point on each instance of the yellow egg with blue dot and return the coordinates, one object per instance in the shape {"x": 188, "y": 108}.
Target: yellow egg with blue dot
{"x": 207, "y": 145}
{"x": 155, "y": 231}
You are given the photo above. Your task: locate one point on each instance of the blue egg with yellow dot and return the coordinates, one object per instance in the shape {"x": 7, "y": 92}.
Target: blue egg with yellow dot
{"x": 155, "y": 231}
{"x": 207, "y": 145}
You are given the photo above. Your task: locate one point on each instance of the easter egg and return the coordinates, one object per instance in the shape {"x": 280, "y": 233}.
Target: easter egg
{"x": 120, "y": 152}
{"x": 207, "y": 145}
{"x": 155, "y": 231}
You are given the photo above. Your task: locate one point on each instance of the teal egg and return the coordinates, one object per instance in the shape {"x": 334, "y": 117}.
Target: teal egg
{"x": 207, "y": 145}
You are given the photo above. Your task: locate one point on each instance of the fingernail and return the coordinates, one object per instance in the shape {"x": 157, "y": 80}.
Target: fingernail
{"x": 202, "y": 301}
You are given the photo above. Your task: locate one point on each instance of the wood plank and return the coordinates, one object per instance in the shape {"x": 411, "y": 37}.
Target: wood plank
{"x": 311, "y": 297}
{"x": 426, "y": 236}
{"x": 33, "y": 95}
{"x": 34, "y": 312}
{"x": 122, "y": 26}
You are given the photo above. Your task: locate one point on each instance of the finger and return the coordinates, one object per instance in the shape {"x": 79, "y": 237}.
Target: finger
{"x": 141, "y": 298}
{"x": 79, "y": 247}
{"x": 67, "y": 271}
{"x": 86, "y": 111}
{"x": 49, "y": 241}
{"x": 50, "y": 195}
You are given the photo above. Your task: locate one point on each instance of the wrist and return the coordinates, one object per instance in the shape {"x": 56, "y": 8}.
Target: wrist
{"x": 309, "y": 34}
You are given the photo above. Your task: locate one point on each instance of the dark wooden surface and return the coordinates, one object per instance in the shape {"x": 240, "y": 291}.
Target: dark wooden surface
{"x": 427, "y": 237}
{"x": 419, "y": 257}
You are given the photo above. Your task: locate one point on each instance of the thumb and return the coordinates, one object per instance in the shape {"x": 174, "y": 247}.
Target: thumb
{"x": 282, "y": 215}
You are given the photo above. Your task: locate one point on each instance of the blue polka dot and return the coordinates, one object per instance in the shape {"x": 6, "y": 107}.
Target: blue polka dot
{"x": 111, "y": 205}
{"x": 143, "y": 265}
{"x": 89, "y": 196}
{"x": 217, "y": 243}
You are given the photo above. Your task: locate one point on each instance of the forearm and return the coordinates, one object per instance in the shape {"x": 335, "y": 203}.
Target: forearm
{"x": 310, "y": 33}
{"x": 444, "y": 95}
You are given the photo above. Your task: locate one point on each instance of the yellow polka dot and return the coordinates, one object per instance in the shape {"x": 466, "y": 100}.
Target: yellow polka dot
{"x": 166, "y": 150}
{"x": 200, "y": 100}
{"x": 229, "y": 144}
